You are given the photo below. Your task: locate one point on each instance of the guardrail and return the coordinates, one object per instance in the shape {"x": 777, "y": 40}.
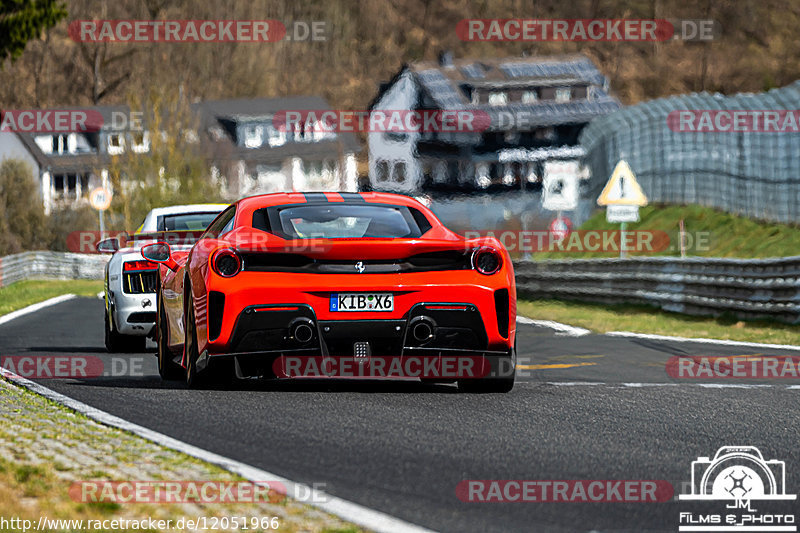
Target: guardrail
{"x": 51, "y": 265}
{"x": 745, "y": 288}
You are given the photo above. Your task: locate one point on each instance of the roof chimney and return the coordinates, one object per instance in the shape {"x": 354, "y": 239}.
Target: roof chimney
{"x": 446, "y": 59}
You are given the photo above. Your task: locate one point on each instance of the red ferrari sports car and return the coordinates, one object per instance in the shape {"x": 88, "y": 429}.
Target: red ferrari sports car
{"x": 332, "y": 284}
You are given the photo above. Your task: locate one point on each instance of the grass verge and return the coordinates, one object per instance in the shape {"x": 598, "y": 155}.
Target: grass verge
{"x": 46, "y": 448}
{"x": 711, "y": 233}
{"x": 644, "y": 319}
{"x": 25, "y": 293}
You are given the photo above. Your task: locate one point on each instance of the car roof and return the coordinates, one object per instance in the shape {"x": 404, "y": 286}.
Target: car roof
{"x": 151, "y": 220}
{"x": 246, "y": 206}
{"x": 281, "y": 198}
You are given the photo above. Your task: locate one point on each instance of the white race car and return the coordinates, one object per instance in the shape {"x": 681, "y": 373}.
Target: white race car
{"x": 130, "y": 280}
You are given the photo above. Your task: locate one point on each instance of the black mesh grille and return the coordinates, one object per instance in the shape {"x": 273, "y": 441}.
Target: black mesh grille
{"x": 216, "y": 304}
{"x": 140, "y": 282}
{"x": 501, "y": 307}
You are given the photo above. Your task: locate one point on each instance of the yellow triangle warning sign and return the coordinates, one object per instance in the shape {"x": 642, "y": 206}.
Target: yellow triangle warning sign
{"x": 622, "y": 188}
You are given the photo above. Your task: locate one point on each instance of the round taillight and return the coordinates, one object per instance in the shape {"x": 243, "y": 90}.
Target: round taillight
{"x": 487, "y": 261}
{"x": 227, "y": 263}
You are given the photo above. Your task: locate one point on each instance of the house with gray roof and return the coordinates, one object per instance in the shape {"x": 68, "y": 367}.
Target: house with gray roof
{"x": 532, "y": 110}
{"x": 252, "y": 152}
{"x": 67, "y": 165}
{"x": 246, "y": 152}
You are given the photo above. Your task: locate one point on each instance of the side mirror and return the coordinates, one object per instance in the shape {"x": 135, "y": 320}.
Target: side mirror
{"x": 159, "y": 252}
{"x": 108, "y": 246}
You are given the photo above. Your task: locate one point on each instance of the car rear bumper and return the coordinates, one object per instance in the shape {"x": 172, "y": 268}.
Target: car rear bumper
{"x": 134, "y": 314}
{"x": 483, "y": 314}
{"x": 448, "y": 340}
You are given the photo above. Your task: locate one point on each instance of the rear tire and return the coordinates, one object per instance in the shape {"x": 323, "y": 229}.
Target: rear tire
{"x": 117, "y": 342}
{"x": 493, "y": 384}
{"x": 167, "y": 368}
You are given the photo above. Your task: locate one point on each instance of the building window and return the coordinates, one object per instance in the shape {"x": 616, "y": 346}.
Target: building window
{"x": 466, "y": 173}
{"x": 382, "y": 171}
{"x": 482, "y": 179}
{"x": 563, "y": 94}
{"x": 440, "y": 172}
{"x": 252, "y": 136}
{"x": 529, "y": 97}
{"x": 498, "y": 98}
{"x": 116, "y": 144}
{"x": 395, "y": 136}
{"x": 276, "y": 137}
{"x": 140, "y": 142}
{"x": 400, "y": 172}
{"x": 61, "y": 144}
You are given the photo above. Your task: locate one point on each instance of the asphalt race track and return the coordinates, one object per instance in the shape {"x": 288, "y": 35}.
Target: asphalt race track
{"x": 590, "y": 407}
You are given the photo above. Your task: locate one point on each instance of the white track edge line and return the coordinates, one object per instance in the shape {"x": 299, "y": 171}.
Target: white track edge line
{"x": 35, "y": 307}
{"x": 702, "y": 340}
{"x": 348, "y": 511}
{"x": 565, "y": 329}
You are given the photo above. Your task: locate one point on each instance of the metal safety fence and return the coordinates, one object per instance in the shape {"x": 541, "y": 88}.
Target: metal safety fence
{"x": 50, "y": 265}
{"x": 750, "y": 173}
{"x": 744, "y": 288}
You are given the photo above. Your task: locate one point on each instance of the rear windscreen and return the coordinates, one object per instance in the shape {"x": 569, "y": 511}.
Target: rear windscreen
{"x": 338, "y": 221}
{"x": 186, "y": 221}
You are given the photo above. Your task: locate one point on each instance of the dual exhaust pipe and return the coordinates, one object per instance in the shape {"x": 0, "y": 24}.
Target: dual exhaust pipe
{"x": 422, "y": 329}
{"x": 302, "y": 330}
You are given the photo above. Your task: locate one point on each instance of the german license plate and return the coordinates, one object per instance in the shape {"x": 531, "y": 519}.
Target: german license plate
{"x": 362, "y": 301}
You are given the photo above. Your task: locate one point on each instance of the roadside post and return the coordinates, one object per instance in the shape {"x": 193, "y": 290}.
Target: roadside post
{"x": 560, "y": 193}
{"x": 100, "y": 199}
{"x": 622, "y": 196}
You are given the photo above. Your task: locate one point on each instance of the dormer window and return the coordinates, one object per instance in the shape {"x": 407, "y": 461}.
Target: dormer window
{"x": 498, "y": 98}
{"x": 140, "y": 142}
{"x": 252, "y": 136}
{"x": 563, "y": 94}
{"x": 116, "y": 144}
{"x": 276, "y": 137}
{"x": 529, "y": 97}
